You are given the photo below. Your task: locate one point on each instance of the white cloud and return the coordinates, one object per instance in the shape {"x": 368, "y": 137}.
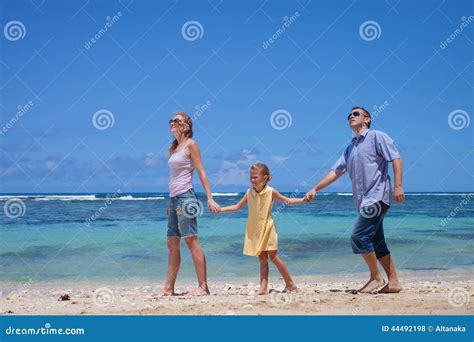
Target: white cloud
{"x": 236, "y": 172}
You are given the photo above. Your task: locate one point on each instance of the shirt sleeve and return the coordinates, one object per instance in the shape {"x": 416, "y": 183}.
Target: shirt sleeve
{"x": 339, "y": 166}
{"x": 386, "y": 147}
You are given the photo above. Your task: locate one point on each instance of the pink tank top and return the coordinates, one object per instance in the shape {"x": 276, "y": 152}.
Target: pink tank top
{"x": 181, "y": 177}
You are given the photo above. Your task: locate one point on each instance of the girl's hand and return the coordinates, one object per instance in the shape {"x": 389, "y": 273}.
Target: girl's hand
{"x": 167, "y": 211}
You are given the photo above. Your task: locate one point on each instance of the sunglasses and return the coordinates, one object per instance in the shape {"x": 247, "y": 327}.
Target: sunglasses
{"x": 175, "y": 121}
{"x": 356, "y": 114}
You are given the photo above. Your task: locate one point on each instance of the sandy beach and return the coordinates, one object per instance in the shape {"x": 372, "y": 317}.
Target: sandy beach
{"x": 425, "y": 293}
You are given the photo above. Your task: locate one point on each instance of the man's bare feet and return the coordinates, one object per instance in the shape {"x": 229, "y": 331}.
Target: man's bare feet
{"x": 199, "y": 292}
{"x": 262, "y": 292}
{"x": 372, "y": 285}
{"x": 391, "y": 287}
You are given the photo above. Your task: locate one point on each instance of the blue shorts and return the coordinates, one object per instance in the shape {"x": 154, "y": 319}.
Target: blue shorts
{"x": 367, "y": 234}
{"x": 183, "y": 212}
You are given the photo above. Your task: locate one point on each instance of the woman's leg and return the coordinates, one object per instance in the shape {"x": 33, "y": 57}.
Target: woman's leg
{"x": 289, "y": 284}
{"x": 174, "y": 260}
{"x": 199, "y": 265}
{"x": 263, "y": 258}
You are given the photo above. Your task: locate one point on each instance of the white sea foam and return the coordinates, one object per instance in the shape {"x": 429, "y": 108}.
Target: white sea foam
{"x": 77, "y": 198}
{"x": 223, "y": 194}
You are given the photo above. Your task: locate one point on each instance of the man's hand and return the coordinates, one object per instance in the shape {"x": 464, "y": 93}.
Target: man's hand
{"x": 310, "y": 195}
{"x": 399, "y": 194}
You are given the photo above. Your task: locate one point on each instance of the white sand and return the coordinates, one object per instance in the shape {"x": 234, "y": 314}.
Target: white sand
{"x": 428, "y": 293}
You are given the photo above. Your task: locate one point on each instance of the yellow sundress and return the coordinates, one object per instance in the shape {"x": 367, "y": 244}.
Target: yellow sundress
{"x": 261, "y": 234}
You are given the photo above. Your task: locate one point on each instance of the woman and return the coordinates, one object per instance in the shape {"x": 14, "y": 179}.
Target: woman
{"x": 184, "y": 206}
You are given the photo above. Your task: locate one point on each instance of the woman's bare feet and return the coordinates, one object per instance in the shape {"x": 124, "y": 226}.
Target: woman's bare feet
{"x": 262, "y": 291}
{"x": 372, "y": 285}
{"x": 391, "y": 287}
{"x": 167, "y": 292}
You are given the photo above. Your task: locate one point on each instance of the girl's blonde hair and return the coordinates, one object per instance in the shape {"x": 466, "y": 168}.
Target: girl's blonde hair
{"x": 263, "y": 169}
{"x": 187, "y": 125}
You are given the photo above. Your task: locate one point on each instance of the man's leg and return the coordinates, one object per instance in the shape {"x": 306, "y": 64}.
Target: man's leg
{"x": 393, "y": 285}
{"x": 376, "y": 279}
{"x": 362, "y": 243}
{"x": 385, "y": 259}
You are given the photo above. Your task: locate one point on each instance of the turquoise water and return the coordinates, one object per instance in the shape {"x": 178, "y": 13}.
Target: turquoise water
{"x": 127, "y": 240}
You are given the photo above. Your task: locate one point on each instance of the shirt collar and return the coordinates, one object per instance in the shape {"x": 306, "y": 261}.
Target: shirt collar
{"x": 363, "y": 134}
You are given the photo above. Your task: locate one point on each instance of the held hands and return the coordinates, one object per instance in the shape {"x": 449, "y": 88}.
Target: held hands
{"x": 399, "y": 194}
{"x": 310, "y": 195}
{"x": 213, "y": 206}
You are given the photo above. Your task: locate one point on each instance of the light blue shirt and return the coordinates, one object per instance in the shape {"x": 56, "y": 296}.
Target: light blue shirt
{"x": 366, "y": 160}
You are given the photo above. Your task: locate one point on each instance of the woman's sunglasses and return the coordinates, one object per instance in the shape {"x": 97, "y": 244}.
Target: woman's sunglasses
{"x": 354, "y": 114}
{"x": 175, "y": 121}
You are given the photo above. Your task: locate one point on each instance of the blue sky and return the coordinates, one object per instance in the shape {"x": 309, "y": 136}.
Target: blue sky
{"x": 142, "y": 69}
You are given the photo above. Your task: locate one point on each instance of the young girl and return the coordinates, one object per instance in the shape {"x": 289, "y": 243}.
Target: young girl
{"x": 261, "y": 238}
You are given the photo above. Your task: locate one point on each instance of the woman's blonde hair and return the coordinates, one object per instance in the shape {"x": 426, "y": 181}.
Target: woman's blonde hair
{"x": 187, "y": 125}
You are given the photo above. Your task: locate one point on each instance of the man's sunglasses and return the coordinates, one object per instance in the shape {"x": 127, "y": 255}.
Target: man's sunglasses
{"x": 354, "y": 114}
{"x": 175, "y": 121}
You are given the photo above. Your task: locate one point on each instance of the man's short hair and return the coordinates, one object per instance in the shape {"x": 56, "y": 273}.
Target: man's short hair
{"x": 366, "y": 113}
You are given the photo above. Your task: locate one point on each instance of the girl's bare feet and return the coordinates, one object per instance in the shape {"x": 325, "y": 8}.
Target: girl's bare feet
{"x": 262, "y": 291}
{"x": 372, "y": 285}
{"x": 200, "y": 292}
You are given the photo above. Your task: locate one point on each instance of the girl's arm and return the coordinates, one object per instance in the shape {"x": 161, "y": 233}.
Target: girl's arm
{"x": 195, "y": 156}
{"x": 234, "y": 207}
{"x": 288, "y": 200}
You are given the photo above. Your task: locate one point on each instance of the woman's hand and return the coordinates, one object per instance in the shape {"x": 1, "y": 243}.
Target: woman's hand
{"x": 213, "y": 206}
{"x": 167, "y": 211}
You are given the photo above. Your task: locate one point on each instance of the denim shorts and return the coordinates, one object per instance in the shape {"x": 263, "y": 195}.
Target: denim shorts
{"x": 183, "y": 212}
{"x": 367, "y": 234}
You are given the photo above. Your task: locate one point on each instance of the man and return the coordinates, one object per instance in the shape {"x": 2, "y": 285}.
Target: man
{"x": 366, "y": 160}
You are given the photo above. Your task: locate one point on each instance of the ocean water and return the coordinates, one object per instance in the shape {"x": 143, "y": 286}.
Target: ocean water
{"x": 100, "y": 237}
